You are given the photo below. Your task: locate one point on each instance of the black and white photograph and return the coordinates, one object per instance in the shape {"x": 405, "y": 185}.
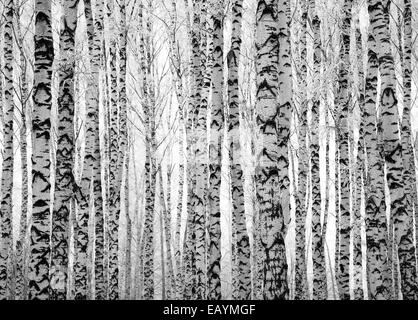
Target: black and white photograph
{"x": 208, "y": 150}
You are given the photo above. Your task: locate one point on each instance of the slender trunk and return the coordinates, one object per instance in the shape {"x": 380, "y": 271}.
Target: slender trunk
{"x": 337, "y": 209}
{"x": 92, "y": 159}
{"x": 188, "y": 260}
{"x": 343, "y": 146}
{"x": 150, "y": 165}
{"x": 327, "y": 196}
{"x": 166, "y": 228}
{"x": 283, "y": 123}
{"x": 207, "y": 95}
{"x": 82, "y": 236}
{"x": 392, "y": 149}
{"x": 148, "y": 238}
{"x": 123, "y": 33}
{"x": 257, "y": 272}
{"x": 21, "y": 244}
{"x": 168, "y": 223}
{"x": 215, "y": 158}
{"x": 41, "y": 126}
{"x": 115, "y": 176}
{"x": 201, "y": 160}
{"x": 138, "y": 222}
{"x": 318, "y": 254}
{"x": 267, "y": 170}
{"x": 358, "y": 174}
{"x": 177, "y": 71}
{"x": 73, "y": 248}
{"x": 106, "y": 181}
{"x": 122, "y": 100}
{"x": 178, "y": 246}
{"x": 64, "y": 179}
{"x": 106, "y": 184}
{"x": 128, "y": 272}
{"x": 163, "y": 264}
{"x": 6, "y": 212}
{"x": 301, "y": 284}
{"x": 242, "y": 244}
{"x": 409, "y": 175}
{"x": 189, "y": 256}
{"x": 376, "y": 226}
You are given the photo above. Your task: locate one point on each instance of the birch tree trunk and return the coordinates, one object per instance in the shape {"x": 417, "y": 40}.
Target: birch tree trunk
{"x": 84, "y": 201}
{"x": 177, "y": 71}
{"x": 358, "y": 173}
{"x": 201, "y": 161}
{"x": 150, "y": 165}
{"x": 41, "y": 128}
{"x": 301, "y": 285}
{"x": 168, "y": 223}
{"x": 123, "y": 113}
{"x": 64, "y": 178}
{"x": 215, "y": 157}
{"x": 106, "y": 174}
{"x": 195, "y": 98}
{"x": 392, "y": 149}
{"x": 318, "y": 254}
{"x": 96, "y": 53}
{"x": 115, "y": 175}
{"x": 409, "y": 175}
{"x": 128, "y": 252}
{"x": 267, "y": 169}
{"x": 285, "y": 107}
{"x": 376, "y": 226}
{"x": 343, "y": 137}
{"x": 139, "y": 227}
{"x": 166, "y": 230}
{"x": 6, "y": 207}
{"x": 148, "y": 237}
{"x": 163, "y": 263}
{"x": 242, "y": 244}
{"x": 122, "y": 99}
{"x": 337, "y": 205}
{"x": 21, "y": 244}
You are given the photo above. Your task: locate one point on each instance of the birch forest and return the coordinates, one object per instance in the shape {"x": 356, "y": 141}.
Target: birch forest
{"x": 206, "y": 150}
